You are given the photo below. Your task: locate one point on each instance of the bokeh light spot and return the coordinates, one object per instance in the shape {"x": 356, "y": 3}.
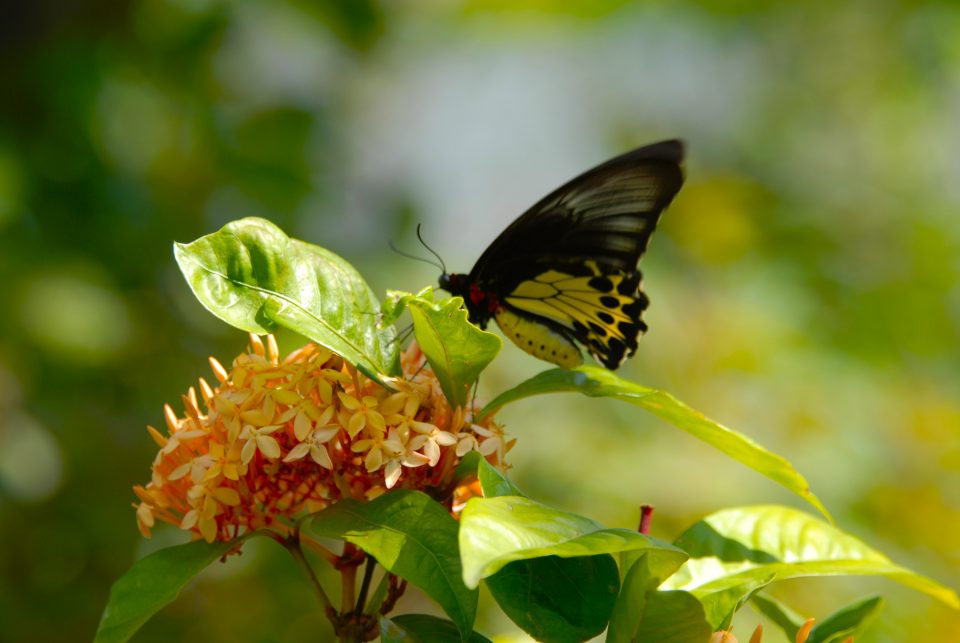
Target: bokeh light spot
{"x": 75, "y": 319}
{"x": 31, "y": 468}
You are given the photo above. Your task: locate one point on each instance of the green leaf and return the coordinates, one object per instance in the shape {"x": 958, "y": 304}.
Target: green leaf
{"x": 747, "y": 544}
{"x": 672, "y": 617}
{"x": 457, "y": 350}
{"x": 153, "y": 582}
{"x": 724, "y": 597}
{"x": 396, "y": 301}
{"x": 551, "y": 598}
{"x": 413, "y": 537}
{"x": 598, "y": 382}
{"x": 497, "y": 531}
{"x": 557, "y": 599}
{"x": 254, "y": 277}
{"x": 846, "y": 621}
{"x": 638, "y": 581}
{"x": 493, "y": 482}
{"x": 423, "y": 628}
{"x": 784, "y": 617}
{"x": 637, "y": 611}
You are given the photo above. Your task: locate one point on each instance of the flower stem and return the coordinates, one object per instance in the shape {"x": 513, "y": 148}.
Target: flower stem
{"x": 348, "y": 580}
{"x": 646, "y": 513}
{"x": 292, "y": 543}
{"x": 365, "y": 585}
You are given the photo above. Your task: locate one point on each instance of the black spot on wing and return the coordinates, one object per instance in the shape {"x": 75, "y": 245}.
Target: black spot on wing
{"x": 630, "y": 283}
{"x": 597, "y": 329}
{"x": 610, "y": 301}
{"x": 603, "y": 284}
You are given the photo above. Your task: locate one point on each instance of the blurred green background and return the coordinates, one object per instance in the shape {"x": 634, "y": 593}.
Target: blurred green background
{"x": 805, "y": 284}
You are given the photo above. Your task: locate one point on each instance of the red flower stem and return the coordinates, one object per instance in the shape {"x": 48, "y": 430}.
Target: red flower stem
{"x": 646, "y": 512}
{"x": 321, "y": 551}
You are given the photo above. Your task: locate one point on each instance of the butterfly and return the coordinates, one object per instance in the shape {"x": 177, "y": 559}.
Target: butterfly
{"x": 565, "y": 272}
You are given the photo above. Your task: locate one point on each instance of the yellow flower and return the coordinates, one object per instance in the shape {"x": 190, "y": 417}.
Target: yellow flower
{"x": 314, "y": 443}
{"x": 259, "y": 440}
{"x": 357, "y": 414}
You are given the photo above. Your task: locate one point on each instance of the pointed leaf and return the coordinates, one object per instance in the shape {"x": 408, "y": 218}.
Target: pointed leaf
{"x": 749, "y": 543}
{"x": 672, "y": 617}
{"x": 597, "y": 382}
{"x": 636, "y": 615}
{"x": 422, "y": 628}
{"x": 846, "y": 621}
{"x": 724, "y": 597}
{"x": 631, "y": 603}
{"x": 412, "y": 536}
{"x": 557, "y": 599}
{"x": 457, "y": 350}
{"x": 254, "y": 277}
{"x": 497, "y": 531}
{"x": 153, "y": 582}
{"x": 784, "y": 617}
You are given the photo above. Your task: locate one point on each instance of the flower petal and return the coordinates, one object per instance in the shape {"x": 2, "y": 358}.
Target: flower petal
{"x": 297, "y": 452}
{"x": 302, "y": 426}
{"x": 391, "y": 473}
{"x": 321, "y": 456}
{"x": 268, "y": 446}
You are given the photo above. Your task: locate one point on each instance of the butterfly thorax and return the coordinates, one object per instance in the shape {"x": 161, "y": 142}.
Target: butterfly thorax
{"x": 481, "y": 305}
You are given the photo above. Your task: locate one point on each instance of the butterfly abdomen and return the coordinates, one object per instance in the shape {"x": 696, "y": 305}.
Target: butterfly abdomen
{"x": 538, "y": 339}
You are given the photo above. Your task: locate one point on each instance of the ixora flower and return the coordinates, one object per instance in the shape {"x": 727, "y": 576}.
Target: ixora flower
{"x": 276, "y": 438}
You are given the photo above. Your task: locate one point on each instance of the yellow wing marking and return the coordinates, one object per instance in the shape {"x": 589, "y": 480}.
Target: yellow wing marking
{"x": 539, "y": 340}
{"x": 564, "y": 299}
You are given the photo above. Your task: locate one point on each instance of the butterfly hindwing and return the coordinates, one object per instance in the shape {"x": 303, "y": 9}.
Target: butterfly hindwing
{"x": 598, "y": 307}
{"x": 566, "y": 270}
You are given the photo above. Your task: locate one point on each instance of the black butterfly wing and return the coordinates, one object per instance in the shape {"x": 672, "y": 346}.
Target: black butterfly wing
{"x": 569, "y": 262}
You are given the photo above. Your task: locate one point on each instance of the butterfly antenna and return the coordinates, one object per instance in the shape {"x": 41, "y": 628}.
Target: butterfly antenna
{"x": 414, "y": 257}
{"x": 443, "y": 266}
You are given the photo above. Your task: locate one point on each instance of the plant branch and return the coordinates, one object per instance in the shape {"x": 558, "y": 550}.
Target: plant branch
{"x": 292, "y": 543}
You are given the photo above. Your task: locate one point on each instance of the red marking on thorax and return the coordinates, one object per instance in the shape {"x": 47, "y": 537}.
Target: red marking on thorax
{"x": 482, "y": 299}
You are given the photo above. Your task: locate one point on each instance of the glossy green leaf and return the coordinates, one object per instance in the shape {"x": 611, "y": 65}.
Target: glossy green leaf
{"x": 550, "y": 598}
{"x": 672, "y": 617}
{"x": 632, "y": 619}
{"x": 412, "y": 536}
{"x": 747, "y": 544}
{"x": 423, "y": 628}
{"x": 493, "y": 482}
{"x": 846, "y": 621}
{"x": 457, "y": 350}
{"x": 781, "y": 615}
{"x": 628, "y": 610}
{"x": 598, "y": 382}
{"x": 498, "y": 531}
{"x": 558, "y": 600}
{"x": 724, "y": 597}
{"x": 254, "y": 277}
{"x": 396, "y": 301}
{"x": 153, "y": 582}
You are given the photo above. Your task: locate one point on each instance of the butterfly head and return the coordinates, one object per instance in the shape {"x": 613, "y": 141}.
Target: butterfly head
{"x": 455, "y": 284}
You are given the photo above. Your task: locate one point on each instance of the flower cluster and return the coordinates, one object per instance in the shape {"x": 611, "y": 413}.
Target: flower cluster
{"x": 279, "y": 437}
